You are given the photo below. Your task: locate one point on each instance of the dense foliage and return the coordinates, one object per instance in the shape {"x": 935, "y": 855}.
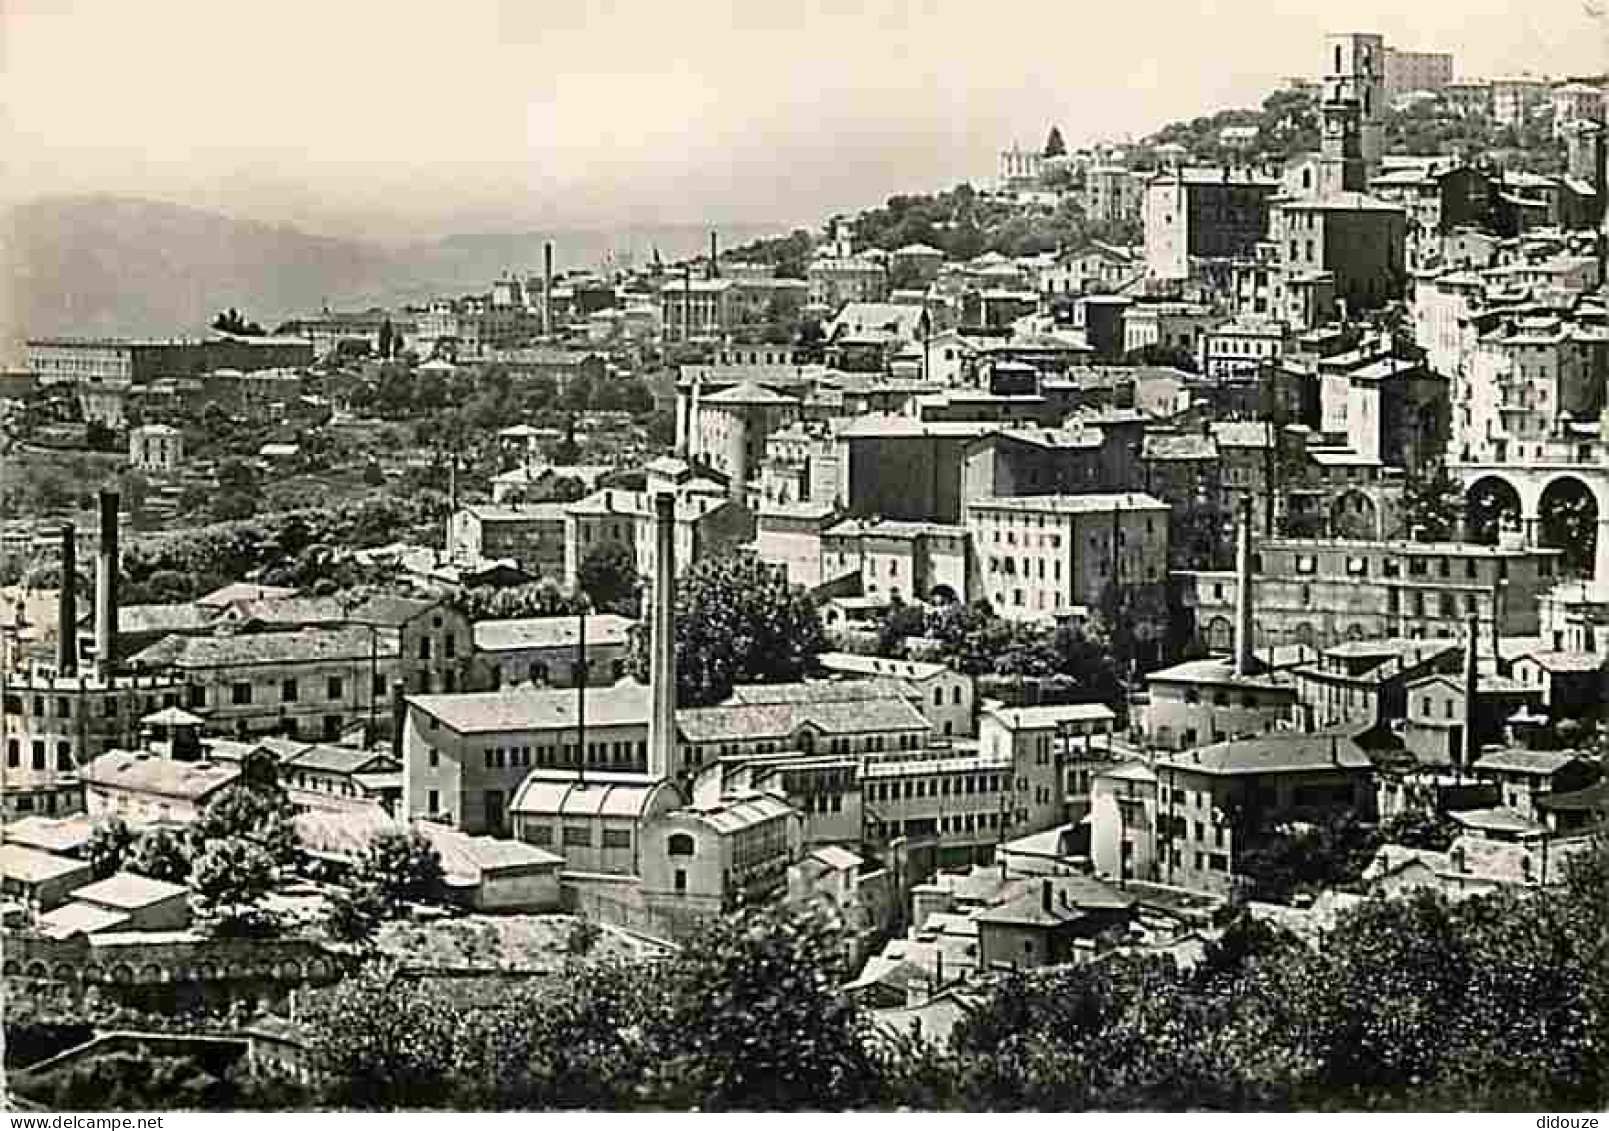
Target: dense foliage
{"x": 608, "y": 576}
{"x": 738, "y": 620}
{"x": 397, "y": 868}
{"x": 1494, "y": 1003}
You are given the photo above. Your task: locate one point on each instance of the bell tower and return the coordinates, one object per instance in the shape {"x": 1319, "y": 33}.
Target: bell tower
{"x": 1342, "y": 166}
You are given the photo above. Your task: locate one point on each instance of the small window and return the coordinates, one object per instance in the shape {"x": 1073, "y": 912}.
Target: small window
{"x": 679, "y": 844}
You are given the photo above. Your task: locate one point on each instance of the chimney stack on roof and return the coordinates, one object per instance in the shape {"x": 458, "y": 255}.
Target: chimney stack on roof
{"x": 1471, "y": 689}
{"x": 662, "y": 662}
{"x": 106, "y": 561}
{"x": 1245, "y": 616}
{"x": 1045, "y": 895}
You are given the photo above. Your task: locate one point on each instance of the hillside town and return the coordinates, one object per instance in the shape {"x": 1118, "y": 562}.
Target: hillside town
{"x": 1173, "y": 578}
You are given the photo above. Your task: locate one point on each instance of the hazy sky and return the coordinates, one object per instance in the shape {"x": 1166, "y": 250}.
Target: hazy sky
{"x": 395, "y": 119}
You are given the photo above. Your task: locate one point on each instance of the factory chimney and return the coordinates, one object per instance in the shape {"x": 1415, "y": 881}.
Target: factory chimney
{"x": 547, "y": 288}
{"x": 662, "y": 661}
{"x": 1471, "y": 749}
{"x": 1600, "y": 169}
{"x": 1244, "y": 614}
{"x": 106, "y": 558}
{"x": 715, "y": 259}
{"x": 67, "y": 604}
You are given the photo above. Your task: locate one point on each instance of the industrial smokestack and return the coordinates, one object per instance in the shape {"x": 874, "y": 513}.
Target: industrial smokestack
{"x": 662, "y": 662}
{"x": 1244, "y": 613}
{"x": 715, "y": 260}
{"x": 1600, "y": 170}
{"x": 67, "y": 604}
{"x": 1471, "y": 688}
{"x": 547, "y": 288}
{"x": 106, "y": 587}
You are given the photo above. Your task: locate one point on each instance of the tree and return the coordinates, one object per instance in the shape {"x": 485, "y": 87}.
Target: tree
{"x": 383, "y": 1040}
{"x": 228, "y": 883}
{"x": 401, "y": 867}
{"x": 1054, "y": 145}
{"x": 254, "y": 809}
{"x": 608, "y": 576}
{"x": 737, "y": 621}
{"x": 232, "y": 321}
{"x": 754, "y": 1019}
{"x": 1433, "y": 506}
{"x": 109, "y": 846}
{"x": 1432, "y": 831}
{"x": 161, "y": 855}
{"x": 239, "y": 491}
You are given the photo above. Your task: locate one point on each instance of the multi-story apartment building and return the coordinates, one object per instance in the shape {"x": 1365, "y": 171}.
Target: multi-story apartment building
{"x": 1245, "y": 343}
{"x": 546, "y": 651}
{"x": 1517, "y": 98}
{"x": 1320, "y": 592}
{"x": 1360, "y": 242}
{"x": 705, "y": 526}
{"x": 531, "y": 534}
{"x": 1576, "y": 104}
{"x": 1408, "y": 71}
{"x": 113, "y": 361}
{"x": 837, "y": 279}
{"x": 729, "y": 430}
{"x": 1203, "y": 214}
{"x": 1113, "y": 194}
{"x": 1215, "y": 803}
{"x": 918, "y": 560}
{"x": 1436, "y": 199}
{"x": 156, "y": 448}
{"x": 1045, "y": 556}
{"x": 311, "y": 684}
{"x": 1177, "y": 326}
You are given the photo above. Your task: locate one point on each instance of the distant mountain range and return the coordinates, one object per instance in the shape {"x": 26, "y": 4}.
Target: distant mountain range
{"x": 120, "y": 266}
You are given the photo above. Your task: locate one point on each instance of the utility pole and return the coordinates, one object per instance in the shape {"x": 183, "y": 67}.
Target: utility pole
{"x": 581, "y": 696}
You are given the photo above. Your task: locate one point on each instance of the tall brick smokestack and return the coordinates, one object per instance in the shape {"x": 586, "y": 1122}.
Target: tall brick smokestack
{"x": 1471, "y": 750}
{"x": 547, "y": 288}
{"x": 715, "y": 258}
{"x": 67, "y": 604}
{"x": 106, "y": 587}
{"x": 662, "y": 661}
{"x": 1600, "y": 169}
{"x": 1245, "y": 615}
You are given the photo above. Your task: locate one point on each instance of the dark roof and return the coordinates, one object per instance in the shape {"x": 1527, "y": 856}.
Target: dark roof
{"x": 1281, "y": 752}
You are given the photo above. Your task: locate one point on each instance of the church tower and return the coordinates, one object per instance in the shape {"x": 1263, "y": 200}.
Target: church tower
{"x": 1342, "y": 166}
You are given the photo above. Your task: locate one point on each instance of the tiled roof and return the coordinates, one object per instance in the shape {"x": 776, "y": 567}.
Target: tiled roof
{"x": 1594, "y": 798}
{"x": 1498, "y": 819}
{"x": 550, "y": 632}
{"x": 473, "y": 856}
{"x": 336, "y": 759}
{"x": 303, "y": 646}
{"x": 821, "y": 691}
{"x": 1547, "y": 762}
{"x": 1046, "y": 718}
{"x": 388, "y": 611}
{"x": 144, "y": 619}
{"x": 126, "y": 891}
{"x": 783, "y": 720}
{"x": 1274, "y": 753}
{"x": 1070, "y": 898}
{"x": 1104, "y": 503}
{"x": 747, "y": 393}
{"x": 1191, "y": 446}
{"x": 1565, "y": 661}
{"x": 544, "y": 709}
{"x": 732, "y": 814}
{"x": 145, "y": 773}
{"x": 1219, "y": 672}
{"x": 880, "y": 665}
{"x": 307, "y": 611}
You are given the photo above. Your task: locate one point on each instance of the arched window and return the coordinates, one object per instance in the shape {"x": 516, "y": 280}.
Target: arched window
{"x": 679, "y": 844}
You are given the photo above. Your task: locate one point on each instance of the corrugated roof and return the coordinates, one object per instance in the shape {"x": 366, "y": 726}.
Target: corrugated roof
{"x": 820, "y": 691}
{"x": 732, "y": 814}
{"x": 560, "y": 794}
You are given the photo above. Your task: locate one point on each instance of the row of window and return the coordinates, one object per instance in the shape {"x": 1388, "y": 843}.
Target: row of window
{"x": 576, "y": 836}
{"x": 927, "y": 826}
{"x": 39, "y": 755}
{"x": 941, "y": 786}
